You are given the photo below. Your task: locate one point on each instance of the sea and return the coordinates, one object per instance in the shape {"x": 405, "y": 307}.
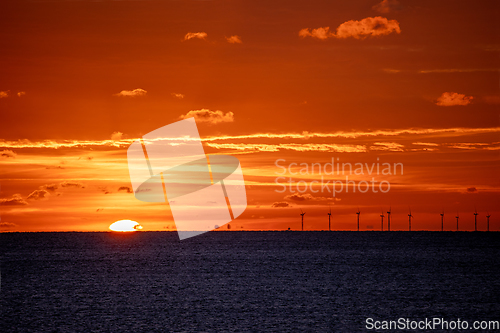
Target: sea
{"x": 243, "y": 281}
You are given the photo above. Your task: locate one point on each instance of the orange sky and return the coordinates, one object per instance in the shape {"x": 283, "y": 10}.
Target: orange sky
{"x": 411, "y": 82}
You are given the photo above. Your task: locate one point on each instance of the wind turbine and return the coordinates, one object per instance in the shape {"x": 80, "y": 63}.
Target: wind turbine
{"x": 389, "y": 219}
{"x": 475, "y": 219}
{"x": 442, "y": 220}
{"x": 409, "y": 220}
{"x": 457, "y": 217}
{"x": 488, "y": 221}
{"x": 382, "y": 221}
{"x": 329, "y": 217}
{"x": 357, "y": 213}
{"x": 302, "y": 214}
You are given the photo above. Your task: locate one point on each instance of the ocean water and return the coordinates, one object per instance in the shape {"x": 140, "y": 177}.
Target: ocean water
{"x": 244, "y": 281}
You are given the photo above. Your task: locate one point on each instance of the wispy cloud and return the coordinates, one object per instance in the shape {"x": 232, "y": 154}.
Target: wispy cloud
{"x": 208, "y": 116}
{"x": 389, "y": 146}
{"x": 453, "y": 98}
{"x": 234, "y": 39}
{"x": 425, "y": 144}
{"x": 367, "y": 27}
{"x": 132, "y": 93}
{"x": 280, "y": 205}
{"x": 72, "y": 184}
{"x": 387, "y": 6}
{"x": 179, "y": 96}
{"x": 6, "y": 225}
{"x": 21, "y": 93}
{"x": 4, "y": 94}
{"x": 199, "y": 35}
{"x": 124, "y": 189}
{"x": 300, "y": 197}
{"x": 262, "y": 147}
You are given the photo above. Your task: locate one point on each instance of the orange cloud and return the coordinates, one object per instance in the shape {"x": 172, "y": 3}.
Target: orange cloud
{"x": 8, "y": 154}
{"x": 116, "y": 136}
{"x": 132, "y": 93}
{"x": 386, "y": 6}
{"x": 306, "y": 197}
{"x": 16, "y": 200}
{"x": 179, "y": 96}
{"x": 280, "y": 205}
{"x": 367, "y": 27}
{"x": 290, "y": 146}
{"x": 21, "y": 93}
{"x": 208, "y": 116}
{"x": 389, "y": 146}
{"x": 452, "y": 98}
{"x": 199, "y": 35}
{"x": 38, "y": 195}
{"x": 234, "y": 39}
{"x": 4, "y": 94}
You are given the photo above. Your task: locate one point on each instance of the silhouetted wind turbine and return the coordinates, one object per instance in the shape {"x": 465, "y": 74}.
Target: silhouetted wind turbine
{"x": 475, "y": 219}
{"x": 329, "y": 217}
{"x": 457, "y": 217}
{"x": 409, "y": 220}
{"x": 442, "y": 220}
{"x": 382, "y": 221}
{"x": 488, "y": 221}
{"x": 389, "y": 219}
{"x": 302, "y": 214}
{"x": 357, "y": 213}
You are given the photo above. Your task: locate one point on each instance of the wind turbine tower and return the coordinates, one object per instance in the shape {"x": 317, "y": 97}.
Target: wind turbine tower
{"x": 409, "y": 221}
{"x": 475, "y": 220}
{"x": 302, "y": 215}
{"x": 442, "y": 220}
{"x": 329, "y": 217}
{"x": 389, "y": 219}
{"x": 457, "y": 217}
{"x": 357, "y": 213}
{"x": 382, "y": 221}
{"x": 488, "y": 222}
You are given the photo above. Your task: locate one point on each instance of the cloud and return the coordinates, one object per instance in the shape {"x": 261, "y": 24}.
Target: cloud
{"x": 199, "y": 35}
{"x": 389, "y": 146}
{"x": 306, "y": 197}
{"x": 208, "y": 116}
{"x": 453, "y": 98}
{"x": 116, "y": 136}
{"x": 38, "y": 195}
{"x": 5, "y": 225}
{"x": 290, "y": 146}
{"x": 16, "y": 200}
{"x": 21, "y": 93}
{"x": 234, "y": 39}
{"x": 72, "y": 184}
{"x": 50, "y": 187}
{"x": 7, "y": 154}
{"x": 425, "y": 144}
{"x": 132, "y": 93}
{"x": 457, "y": 70}
{"x": 367, "y": 27}
{"x": 386, "y": 6}
{"x": 124, "y": 189}
{"x": 280, "y": 204}
{"x": 4, "y": 94}
{"x": 179, "y": 96}
{"x": 471, "y": 190}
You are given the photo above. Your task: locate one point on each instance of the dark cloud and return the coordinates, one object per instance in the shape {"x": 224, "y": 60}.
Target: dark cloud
{"x": 280, "y": 204}
{"x": 124, "y": 189}
{"x": 16, "y": 200}
{"x": 387, "y": 6}
{"x": 306, "y": 197}
{"x": 38, "y": 195}
{"x": 471, "y": 190}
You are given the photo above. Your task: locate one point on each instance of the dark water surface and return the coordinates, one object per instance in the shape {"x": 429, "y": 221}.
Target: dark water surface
{"x": 244, "y": 281}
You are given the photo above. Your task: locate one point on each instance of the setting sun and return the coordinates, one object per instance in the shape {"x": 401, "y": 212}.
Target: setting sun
{"x": 125, "y": 226}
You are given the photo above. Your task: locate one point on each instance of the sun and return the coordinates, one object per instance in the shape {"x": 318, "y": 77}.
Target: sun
{"x": 125, "y": 226}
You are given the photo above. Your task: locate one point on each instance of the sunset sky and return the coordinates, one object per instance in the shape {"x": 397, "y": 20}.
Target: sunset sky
{"x": 411, "y": 82}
